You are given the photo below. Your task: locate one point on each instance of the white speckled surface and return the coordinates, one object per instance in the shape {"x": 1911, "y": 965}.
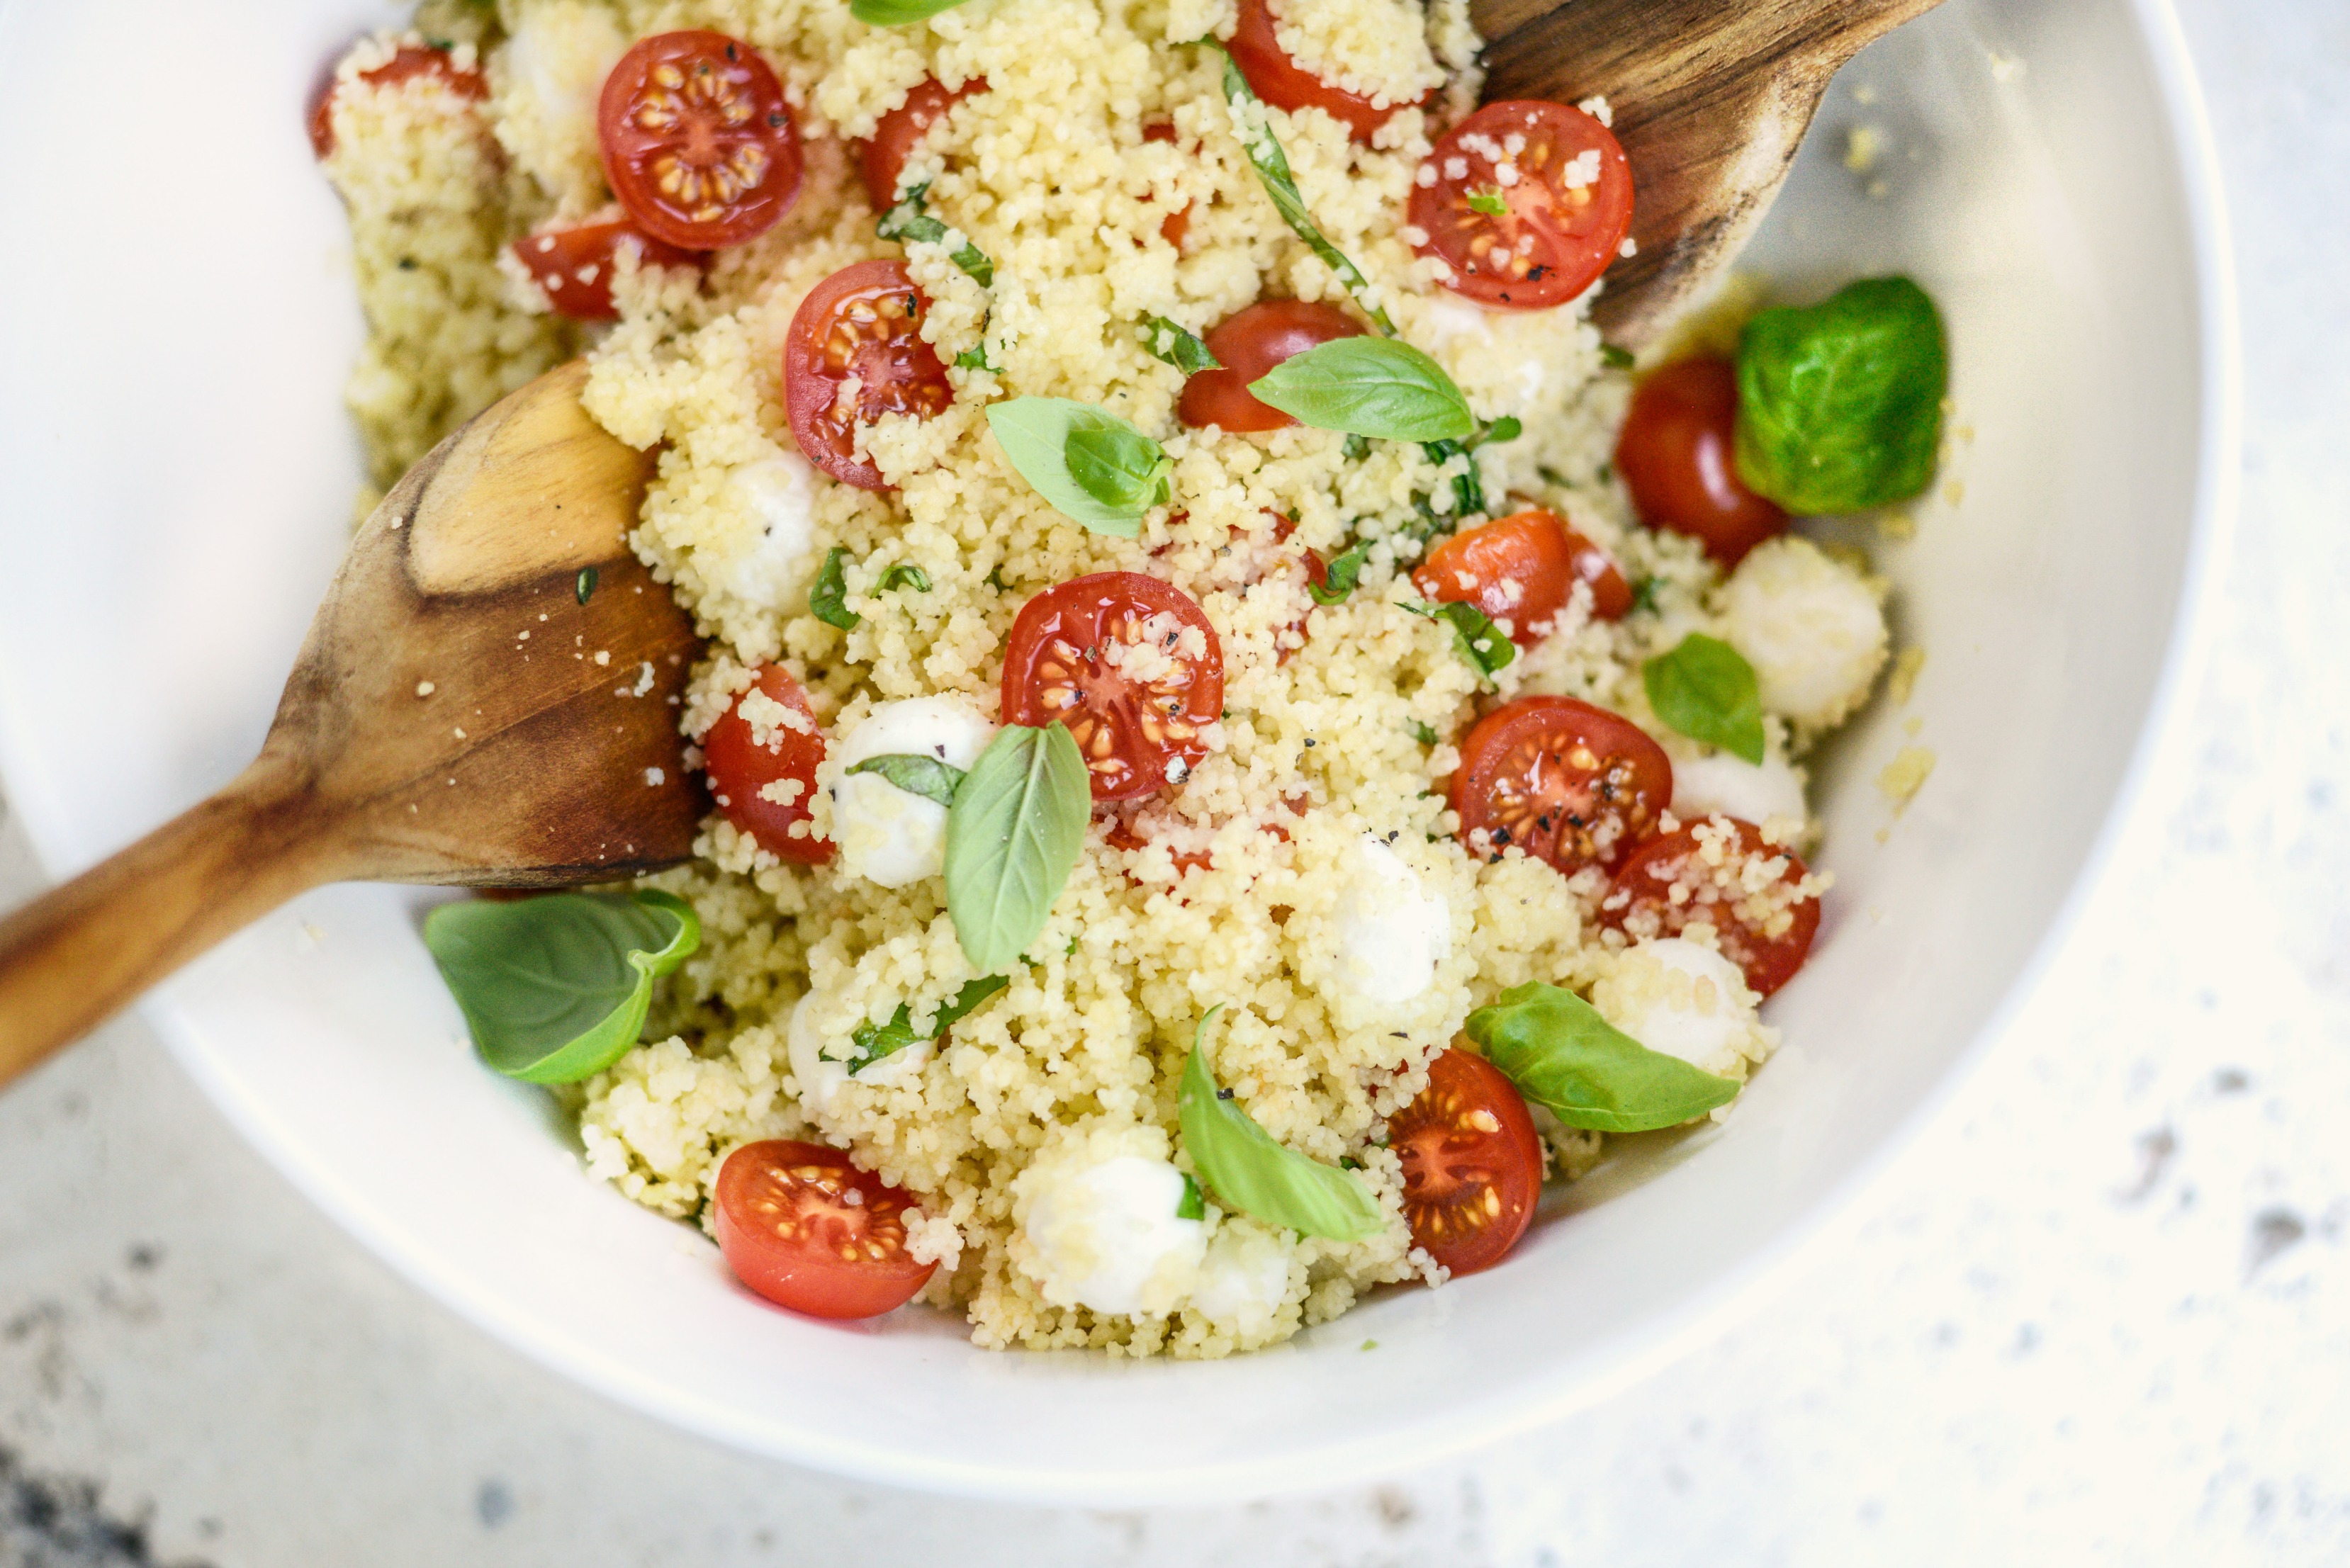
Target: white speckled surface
{"x": 2102, "y": 1317}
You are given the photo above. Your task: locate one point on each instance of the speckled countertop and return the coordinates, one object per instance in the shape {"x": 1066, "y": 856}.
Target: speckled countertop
{"x": 2103, "y": 1318}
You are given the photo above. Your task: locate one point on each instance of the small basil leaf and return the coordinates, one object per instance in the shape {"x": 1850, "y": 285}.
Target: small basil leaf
{"x": 1424, "y": 734}
{"x": 975, "y": 359}
{"x": 1840, "y": 405}
{"x": 1345, "y": 570}
{"x": 1356, "y": 447}
{"x": 1508, "y": 427}
{"x": 905, "y": 575}
{"x": 1194, "y": 1203}
{"x": 873, "y": 1042}
{"x": 1708, "y": 693}
{"x": 555, "y": 989}
{"x": 915, "y": 773}
{"x": 1489, "y": 200}
{"x": 898, "y": 13}
{"x": 584, "y": 588}
{"x": 910, "y": 222}
{"x": 1169, "y": 343}
{"x": 1617, "y": 358}
{"x": 1013, "y": 835}
{"x": 1645, "y": 592}
{"x": 828, "y": 600}
{"x": 1369, "y": 386}
{"x": 1560, "y": 1052}
{"x": 1252, "y": 1174}
{"x": 1474, "y": 635}
{"x": 1119, "y": 467}
{"x": 1113, "y": 477}
{"x": 1468, "y": 485}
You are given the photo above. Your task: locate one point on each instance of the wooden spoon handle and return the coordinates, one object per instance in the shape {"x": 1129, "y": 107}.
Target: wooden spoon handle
{"x": 73, "y": 957}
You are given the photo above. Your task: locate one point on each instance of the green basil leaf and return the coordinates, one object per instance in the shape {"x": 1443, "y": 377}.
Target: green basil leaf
{"x": 1840, "y": 405}
{"x": 898, "y": 13}
{"x": 1193, "y": 1205}
{"x": 1489, "y": 200}
{"x": 1708, "y": 693}
{"x": 909, "y": 221}
{"x": 1617, "y": 358}
{"x": 1356, "y": 447}
{"x": 905, "y": 575}
{"x": 1369, "y": 386}
{"x": 1013, "y": 835}
{"x": 915, "y": 773}
{"x": 1560, "y": 1052}
{"x": 1468, "y": 485}
{"x": 1425, "y": 734}
{"x": 1645, "y": 592}
{"x": 555, "y": 989}
{"x": 1252, "y": 1173}
{"x": 828, "y": 600}
{"x": 1474, "y": 635}
{"x": 1508, "y": 427}
{"x": 872, "y": 1042}
{"x": 1106, "y": 479}
{"x": 1169, "y": 343}
{"x": 584, "y": 587}
{"x": 1345, "y": 570}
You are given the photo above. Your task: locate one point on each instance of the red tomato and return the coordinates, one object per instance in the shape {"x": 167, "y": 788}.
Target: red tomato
{"x": 1676, "y": 455}
{"x": 699, "y": 144}
{"x": 1472, "y": 1164}
{"x": 1175, "y": 225}
{"x": 809, "y": 1230}
{"x": 1318, "y": 575}
{"x": 1112, "y": 656}
{"x": 573, "y": 266}
{"x": 901, "y": 131}
{"x": 412, "y": 60}
{"x": 1525, "y": 567}
{"x": 1562, "y": 780}
{"x": 1246, "y": 346}
{"x": 742, "y": 770}
{"x": 1276, "y": 78}
{"x": 862, "y": 321}
{"x": 1552, "y": 239}
{"x": 1763, "y": 920}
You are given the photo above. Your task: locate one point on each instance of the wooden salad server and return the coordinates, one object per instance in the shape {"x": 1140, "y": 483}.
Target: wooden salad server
{"x": 488, "y": 696}
{"x": 1711, "y": 99}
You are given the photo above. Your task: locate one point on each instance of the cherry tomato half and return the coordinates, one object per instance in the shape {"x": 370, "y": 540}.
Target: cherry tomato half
{"x": 809, "y": 1230}
{"x": 1745, "y": 886}
{"x": 1130, "y": 665}
{"x": 1276, "y": 78}
{"x": 1562, "y": 780}
{"x": 1524, "y": 567}
{"x": 865, "y": 321}
{"x": 1677, "y": 457}
{"x": 1564, "y": 190}
{"x": 748, "y": 767}
{"x": 573, "y": 266}
{"x": 1472, "y": 1163}
{"x": 901, "y": 131}
{"x": 1248, "y": 344}
{"x": 699, "y": 144}
{"x": 411, "y": 61}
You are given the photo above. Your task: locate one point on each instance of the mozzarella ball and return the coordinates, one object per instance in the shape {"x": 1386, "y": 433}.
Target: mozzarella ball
{"x": 1104, "y": 1233}
{"x": 888, "y": 835}
{"x": 768, "y": 568}
{"x": 820, "y": 1078}
{"x": 549, "y": 77}
{"x": 1685, "y": 1001}
{"x": 1243, "y": 1278}
{"x": 1810, "y": 627}
{"x": 1390, "y": 935}
{"x": 1719, "y": 783}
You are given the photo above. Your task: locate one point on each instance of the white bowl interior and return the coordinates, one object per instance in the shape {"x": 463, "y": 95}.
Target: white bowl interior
{"x": 180, "y": 474}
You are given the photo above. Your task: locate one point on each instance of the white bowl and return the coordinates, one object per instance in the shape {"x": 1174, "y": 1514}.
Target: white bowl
{"x": 173, "y": 336}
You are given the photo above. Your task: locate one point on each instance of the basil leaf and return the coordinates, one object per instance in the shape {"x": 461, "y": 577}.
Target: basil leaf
{"x": 1013, "y": 835}
{"x": 828, "y": 600}
{"x": 1645, "y": 592}
{"x": 1617, "y": 358}
{"x": 905, "y": 575}
{"x": 1092, "y": 466}
{"x": 1425, "y": 734}
{"x": 1489, "y": 200}
{"x": 583, "y": 587}
{"x": 1252, "y": 1173}
{"x": 1468, "y": 485}
{"x": 1369, "y": 386}
{"x": 898, "y": 13}
{"x": 909, "y": 222}
{"x": 1170, "y": 344}
{"x": 1356, "y": 447}
{"x": 1708, "y": 693}
{"x": 1508, "y": 427}
{"x": 1345, "y": 570}
{"x": 975, "y": 359}
{"x": 1474, "y": 635}
{"x": 1560, "y": 1052}
{"x": 873, "y": 1042}
{"x": 1840, "y": 405}
{"x": 1193, "y": 1205}
{"x": 555, "y": 989}
{"x": 915, "y": 773}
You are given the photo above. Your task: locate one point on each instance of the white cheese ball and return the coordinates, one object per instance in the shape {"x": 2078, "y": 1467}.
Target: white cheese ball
{"x": 549, "y": 77}
{"x": 886, "y": 834}
{"x": 1720, "y": 785}
{"x": 767, "y": 569}
{"x": 1685, "y": 1001}
{"x": 1389, "y": 934}
{"x": 1105, "y": 1234}
{"x": 1810, "y": 626}
{"x": 821, "y": 1080}
{"x": 1243, "y": 1278}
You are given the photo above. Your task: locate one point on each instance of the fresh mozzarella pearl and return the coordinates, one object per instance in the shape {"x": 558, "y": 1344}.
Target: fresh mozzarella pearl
{"x": 821, "y": 1079}
{"x": 1810, "y": 628}
{"x": 1106, "y": 1236}
{"x": 1450, "y": 321}
{"x": 556, "y": 61}
{"x": 1390, "y": 934}
{"x": 1721, "y": 784}
{"x": 1243, "y": 1278}
{"x": 889, "y": 836}
{"x": 1686, "y": 1001}
{"x": 779, "y": 492}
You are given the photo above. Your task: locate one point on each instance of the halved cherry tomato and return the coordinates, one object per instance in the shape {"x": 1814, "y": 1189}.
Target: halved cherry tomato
{"x": 809, "y": 1230}
{"x": 865, "y": 321}
{"x": 748, "y": 768}
{"x": 1276, "y": 78}
{"x": 699, "y": 144}
{"x": 1174, "y": 225}
{"x": 1472, "y": 1163}
{"x": 1562, "y": 780}
{"x": 573, "y": 266}
{"x": 1763, "y": 920}
{"x": 1524, "y": 567}
{"x": 901, "y": 131}
{"x": 411, "y": 61}
{"x": 1130, "y": 665}
{"x": 1248, "y": 344}
{"x": 1565, "y": 190}
{"x": 1676, "y": 455}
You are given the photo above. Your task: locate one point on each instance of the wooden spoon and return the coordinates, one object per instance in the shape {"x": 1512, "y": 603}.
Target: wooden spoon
{"x": 1711, "y": 99}
{"x": 488, "y": 696}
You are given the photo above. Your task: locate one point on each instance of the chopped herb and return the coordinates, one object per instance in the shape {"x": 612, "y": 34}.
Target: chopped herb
{"x": 905, "y": 575}
{"x": 898, "y": 13}
{"x": 1645, "y": 592}
{"x": 1424, "y": 734}
{"x": 1616, "y": 358}
{"x": 1489, "y": 200}
{"x": 1469, "y": 485}
{"x": 1550, "y": 475}
{"x": 975, "y": 359}
{"x": 584, "y": 587}
{"x": 1193, "y": 1204}
{"x": 908, "y": 222}
{"x": 1357, "y": 448}
{"x": 915, "y": 773}
{"x": 828, "y": 600}
{"x": 1474, "y": 635}
{"x": 1172, "y": 344}
{"x": 1509, "y": 427}
{"x": 995, "y": 578}
{"x": 1345, "y": 570}
{"x": 873, "y": 1042}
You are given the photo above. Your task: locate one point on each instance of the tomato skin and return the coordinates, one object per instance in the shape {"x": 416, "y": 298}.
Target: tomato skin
{"x": 1523, "y": 566}
{"x": 810, "y": 1188}
{"x": 1246, "y": 345}
{"x": 699, "y": 144}
{"x": 900, "y": 132}
{"x": 1273, "y": 77}
{"x": 739, "y": 768}
{"x": 1555, "y": 239}
{"x": 864, "y": 320}
{"x": 412, "y": 60}
{"x": 1641, "y": 903}
{"x": 556, "y": 260}
{"x": 1136, "y": 737}
{"x": 1677, "y": 456}
{"x": 1567, "y": 783}
{"x": 1176, "y": 224}
{"x": 1472, "y": 1163}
